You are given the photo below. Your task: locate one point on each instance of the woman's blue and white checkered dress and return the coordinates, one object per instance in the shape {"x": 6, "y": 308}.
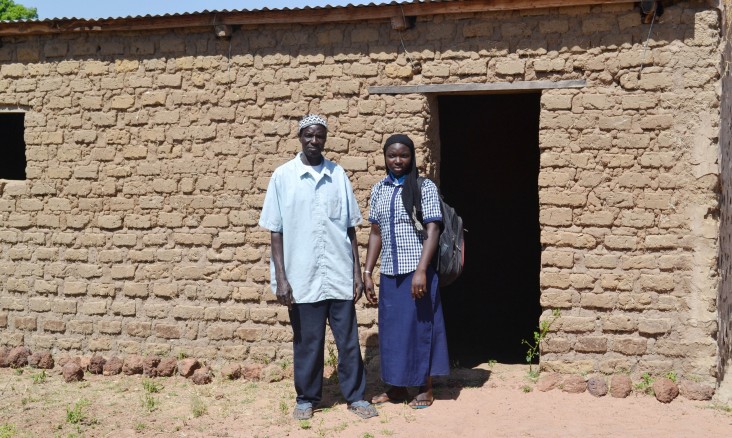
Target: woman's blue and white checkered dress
{"x": 401, "y": 242}
{"x": 412, "y": 338}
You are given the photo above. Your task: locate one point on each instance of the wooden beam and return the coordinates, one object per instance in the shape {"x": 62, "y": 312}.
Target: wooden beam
{"x": 305, "y": 16}
{"x": 497, "y": 87}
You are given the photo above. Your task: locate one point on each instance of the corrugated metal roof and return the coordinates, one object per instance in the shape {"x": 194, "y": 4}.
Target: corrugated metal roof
{"x": 308, "y": 15}
{"x": 224, "y": 11}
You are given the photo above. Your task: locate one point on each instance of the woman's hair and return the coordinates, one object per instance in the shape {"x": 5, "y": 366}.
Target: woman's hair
{"x": 411, "y": 195}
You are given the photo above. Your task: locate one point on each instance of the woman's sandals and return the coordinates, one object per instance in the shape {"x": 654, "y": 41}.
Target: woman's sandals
{"x": 400, "y": 395}
{"x": 421, "y": 401}
{"x": 393, "y": 395}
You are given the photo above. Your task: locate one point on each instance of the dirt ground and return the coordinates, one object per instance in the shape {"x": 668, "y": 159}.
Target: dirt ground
{"x": 492, "y": 400}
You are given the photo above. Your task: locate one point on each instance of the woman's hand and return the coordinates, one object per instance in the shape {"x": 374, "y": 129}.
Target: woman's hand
{"x": 419, "y": 284}
{"x": 429, "y": 246}
{"x": 370, "y": 289}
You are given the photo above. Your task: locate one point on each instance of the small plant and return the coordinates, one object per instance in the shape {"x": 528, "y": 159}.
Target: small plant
{"x": 491, "y": 363}
{"x": 76, "y": 414}
{"x": 140, "y": 427}
{"x": 29, "y": 399}
{"x": 533, "y": 351}
{"x": 151, "y": 386}
{"x": 283, "y": 407}
{"x": 305, "y": 424}
{"x": 18, "y": 371}
{"x": 7, "y": 430}
{"x": 527, "y": 388}
{"x": 198, "y": 407}
{"x": 368, "y": 435}
{"x": 671, "y": 376}
{"x": 533, "y": 375}
{"x": 645, "y": 385}
{"x": 332, "y": 361}
{"x": 39, "y": 378}
{"x": 718, "y": 406}
{"x": 181, "y": 355}
{"x": 149, "y": 402}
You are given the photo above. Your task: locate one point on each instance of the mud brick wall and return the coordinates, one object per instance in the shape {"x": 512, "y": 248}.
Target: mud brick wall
{"x": 724, "y": 302}
{"x": 149, "y": 154}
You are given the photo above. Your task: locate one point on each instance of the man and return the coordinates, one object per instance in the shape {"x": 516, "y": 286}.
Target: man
{"x": 315, "y": 271}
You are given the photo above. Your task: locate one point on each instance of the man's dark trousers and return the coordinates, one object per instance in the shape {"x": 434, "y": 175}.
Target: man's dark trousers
{"x": 308, "y": 326}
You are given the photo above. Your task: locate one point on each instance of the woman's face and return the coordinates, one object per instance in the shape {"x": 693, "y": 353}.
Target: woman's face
{"x": 398, "y": 158}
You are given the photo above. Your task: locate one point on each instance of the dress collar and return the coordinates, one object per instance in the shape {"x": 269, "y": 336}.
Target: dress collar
{"x": 397, "y": 181}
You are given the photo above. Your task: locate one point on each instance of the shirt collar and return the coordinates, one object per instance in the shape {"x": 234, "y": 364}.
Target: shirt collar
{"x": 303, "y": 169}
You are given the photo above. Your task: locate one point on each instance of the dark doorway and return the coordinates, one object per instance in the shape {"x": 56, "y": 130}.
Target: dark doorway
{"x": 489, "y": 168}
{"x": 12, "y": 166}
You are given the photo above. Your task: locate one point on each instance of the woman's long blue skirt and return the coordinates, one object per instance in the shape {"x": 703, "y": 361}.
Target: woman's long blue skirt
{"x": 412, "y": 339}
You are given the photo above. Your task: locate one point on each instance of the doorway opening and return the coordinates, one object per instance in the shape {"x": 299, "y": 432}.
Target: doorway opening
{"x": 13, "y": 163}
{"x": 489, "y": 169}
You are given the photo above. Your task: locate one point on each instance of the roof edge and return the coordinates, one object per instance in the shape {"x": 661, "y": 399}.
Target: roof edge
{"x": 334, "y": 14}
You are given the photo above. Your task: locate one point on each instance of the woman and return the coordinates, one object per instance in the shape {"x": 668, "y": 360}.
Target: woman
{"x": 405, "y": 220}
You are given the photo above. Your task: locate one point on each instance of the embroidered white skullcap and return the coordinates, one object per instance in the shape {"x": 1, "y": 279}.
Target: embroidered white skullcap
{"x": 312, "y": 119}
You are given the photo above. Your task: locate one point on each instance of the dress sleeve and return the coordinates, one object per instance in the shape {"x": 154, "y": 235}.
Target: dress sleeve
{"x": 431, "y": 211}
{"x": 271, "y": 217}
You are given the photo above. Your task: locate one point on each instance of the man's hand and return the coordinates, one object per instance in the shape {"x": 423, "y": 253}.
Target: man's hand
{"x": 284, "y": 293}
{"x": 357, "y": 288}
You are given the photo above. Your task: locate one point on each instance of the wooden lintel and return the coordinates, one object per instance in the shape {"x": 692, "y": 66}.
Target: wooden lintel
{"x": 498, "y": 87}
{"x": 305, "y": 16}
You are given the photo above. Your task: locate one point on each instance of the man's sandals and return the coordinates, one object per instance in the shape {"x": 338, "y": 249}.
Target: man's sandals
{"x": 302, "y": 413}
{"x": 363, "y": 409}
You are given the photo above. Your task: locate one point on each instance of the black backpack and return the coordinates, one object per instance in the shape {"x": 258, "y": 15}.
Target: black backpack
{"x": 451, "y": 247}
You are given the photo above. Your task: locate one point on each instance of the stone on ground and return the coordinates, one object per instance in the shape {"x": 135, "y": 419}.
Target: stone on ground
{"x": 150, "y": 366}
{"x": 113, "y": 366}
{"x": 186, "y": 367}
{"x": 231, "y": 371}
{"x": 695, "y": 390}
{"x": 665, "y": 389}
{"x": 42, "y": 360}
{"x": 202, "y": 376}
{"x": 620, "y": 386}
{"x": 167, "y": 367}
{"x": 18, "y": 357}
{"x": 72, "y": 372}
{"x": 549, "y": 381}
{"x": 132, "y": 365}
{"x": 252, "y": 371}
{"x": 574, "y": 384}
{"x": 96, "y": 364}
{"x": 597, "y": 386}
{"x": 272, "y": 373}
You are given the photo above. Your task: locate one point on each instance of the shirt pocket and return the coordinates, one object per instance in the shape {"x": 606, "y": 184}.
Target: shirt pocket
{"x": 334, "y": 208}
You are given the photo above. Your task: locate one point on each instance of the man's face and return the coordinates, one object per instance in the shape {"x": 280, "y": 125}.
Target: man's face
{"x": 313, "y": 139}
